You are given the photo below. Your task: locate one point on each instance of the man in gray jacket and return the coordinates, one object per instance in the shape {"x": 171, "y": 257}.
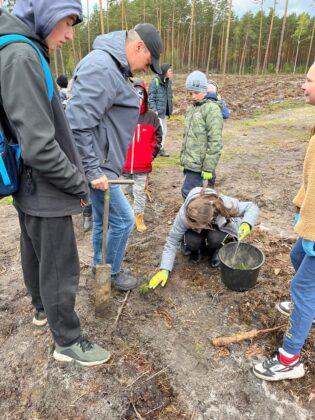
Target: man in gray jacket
{"x": 103, "y": 112}
{"x": 53, "y": 186}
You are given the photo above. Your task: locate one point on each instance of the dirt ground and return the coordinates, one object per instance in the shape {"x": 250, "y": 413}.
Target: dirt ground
{"x": 164, "y": 365}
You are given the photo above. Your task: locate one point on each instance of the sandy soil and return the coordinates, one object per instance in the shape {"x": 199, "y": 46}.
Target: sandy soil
{"x": 163, "y": 365}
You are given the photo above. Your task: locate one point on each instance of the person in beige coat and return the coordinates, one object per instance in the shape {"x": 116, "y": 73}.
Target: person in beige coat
{"x": 285, "y": 362}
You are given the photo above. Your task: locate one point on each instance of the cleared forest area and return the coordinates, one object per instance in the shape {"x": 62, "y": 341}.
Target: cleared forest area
{"x": 164, "y": 365}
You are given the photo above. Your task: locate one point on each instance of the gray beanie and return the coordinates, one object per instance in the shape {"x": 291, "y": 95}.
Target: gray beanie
{"x": 197, "y": 82}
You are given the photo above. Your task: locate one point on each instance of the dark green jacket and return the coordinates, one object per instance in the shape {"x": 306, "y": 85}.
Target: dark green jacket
{"x": 201, "y": 149}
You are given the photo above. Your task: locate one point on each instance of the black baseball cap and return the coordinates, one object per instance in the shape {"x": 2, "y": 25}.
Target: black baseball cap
{"x": 152, "y": 40}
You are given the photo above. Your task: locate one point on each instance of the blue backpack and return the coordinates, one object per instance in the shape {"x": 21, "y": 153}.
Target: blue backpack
{"x": 10, "y": 153}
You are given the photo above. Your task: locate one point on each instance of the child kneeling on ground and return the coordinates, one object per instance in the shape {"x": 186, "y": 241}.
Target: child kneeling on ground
{"x": 145, "y": 146}
{"x": 206, "y": 219}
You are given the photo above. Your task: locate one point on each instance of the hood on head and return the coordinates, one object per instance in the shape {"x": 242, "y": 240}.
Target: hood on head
{"x": 10, "y": 24}
{"x": 41, "y": 16}
{"x": 140, "y": 83}
{"x": 114, "y": 43}
{"x": 165, "y": 67}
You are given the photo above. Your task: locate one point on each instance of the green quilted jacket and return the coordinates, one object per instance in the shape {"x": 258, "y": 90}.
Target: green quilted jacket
{"x": 201, "y": 149}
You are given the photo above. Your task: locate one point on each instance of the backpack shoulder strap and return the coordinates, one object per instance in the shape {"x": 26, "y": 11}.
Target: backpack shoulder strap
{"x": 9, "y": 39}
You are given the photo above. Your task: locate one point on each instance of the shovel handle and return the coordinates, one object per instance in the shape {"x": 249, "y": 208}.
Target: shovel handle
{"x": 121, "y": 181}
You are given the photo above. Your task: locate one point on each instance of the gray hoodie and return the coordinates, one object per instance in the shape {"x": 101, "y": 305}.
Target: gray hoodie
{"x": 47, "y": 145}
{"x": 247, "y": 212}
{"x": 103, "y": 109}
{"x": 41, "y": 16}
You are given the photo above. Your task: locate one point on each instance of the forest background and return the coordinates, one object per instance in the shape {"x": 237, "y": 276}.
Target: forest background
{"x": 203, "y": 34}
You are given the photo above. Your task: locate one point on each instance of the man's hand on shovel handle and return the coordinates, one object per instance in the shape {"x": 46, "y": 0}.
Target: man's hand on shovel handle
{"x": 100, "y": 183}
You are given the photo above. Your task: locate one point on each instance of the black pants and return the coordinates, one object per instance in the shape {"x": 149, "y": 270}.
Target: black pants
{"x": 194, "y": 179}
{"x": 51, "y": 271}
{"x": 212, "y": 239}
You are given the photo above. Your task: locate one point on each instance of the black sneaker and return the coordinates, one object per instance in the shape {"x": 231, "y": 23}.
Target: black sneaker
{"x": 286, "y": 308}
{"x": 196, "y": 256}
{"x": 40, "y": 318}
{"x": 83, "y": 352}
{"x": 273, "y": 370}
{"x": 215, "y": 260}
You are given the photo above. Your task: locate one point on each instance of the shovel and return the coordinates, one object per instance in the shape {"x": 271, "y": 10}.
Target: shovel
{"x": 104, "y": 271}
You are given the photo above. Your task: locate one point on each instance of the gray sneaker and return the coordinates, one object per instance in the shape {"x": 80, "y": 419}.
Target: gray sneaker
{"x": 124, "y": 281}
{"x": 87, "y": 223}
{"x": 83, "y": 352}
{"x": 40, "y": 318}
{"x": 286, "y": 308}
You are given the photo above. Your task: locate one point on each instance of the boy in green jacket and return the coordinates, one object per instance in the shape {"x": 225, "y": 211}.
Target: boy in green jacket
{"x": 201, "y": 149}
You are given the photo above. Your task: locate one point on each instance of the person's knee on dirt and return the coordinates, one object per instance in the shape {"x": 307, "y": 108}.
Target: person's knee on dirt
{"x": 103, "y": 116}
{"x": 145, "y": 146}
{"x": 202, "y": 144}
{"x": 202, "y": 212}
{"x": 195, "y": 243}
{"x": 47, "y": 201}
{"x": 161, "y": 100}
{"x": 285, "y": 362}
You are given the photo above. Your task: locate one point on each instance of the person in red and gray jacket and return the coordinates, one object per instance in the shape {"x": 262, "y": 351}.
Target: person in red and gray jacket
{"x": 145, "y": 146}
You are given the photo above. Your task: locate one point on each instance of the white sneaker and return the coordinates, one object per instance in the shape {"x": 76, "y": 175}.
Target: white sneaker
{"x": 273, "y": 370}
{"x": 286, "y": 308}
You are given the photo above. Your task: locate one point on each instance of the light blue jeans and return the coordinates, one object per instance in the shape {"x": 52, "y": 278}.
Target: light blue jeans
{"x": 303, "y": 298}
{"x": 120, "y": 225}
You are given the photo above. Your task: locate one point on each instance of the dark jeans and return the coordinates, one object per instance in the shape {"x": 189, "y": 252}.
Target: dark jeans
{"x": 212, "y": 239}
{"x": 194, "y": 179}
{"x": 51, "y": 271}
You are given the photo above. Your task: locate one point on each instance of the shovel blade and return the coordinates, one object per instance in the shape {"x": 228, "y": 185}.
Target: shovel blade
{"x": 102, "y": 289}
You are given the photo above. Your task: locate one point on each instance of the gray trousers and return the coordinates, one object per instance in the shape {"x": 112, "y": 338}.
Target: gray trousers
{"x": 51, "y": 271}
{"x": 137, "y": 191}
{"x": 163, "y": 122}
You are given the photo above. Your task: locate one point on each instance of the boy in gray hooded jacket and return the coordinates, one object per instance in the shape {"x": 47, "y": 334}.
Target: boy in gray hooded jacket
{"x": 53, "y": 186}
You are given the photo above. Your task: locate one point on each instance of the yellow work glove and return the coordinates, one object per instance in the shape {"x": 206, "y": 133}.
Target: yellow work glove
{"x": 244, "y": 230}
{"x": 206, "y": 175}
{"x": 159, "y": 278}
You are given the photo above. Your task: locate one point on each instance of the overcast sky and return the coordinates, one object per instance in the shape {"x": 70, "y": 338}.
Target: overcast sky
{"x": 242, "y": 6}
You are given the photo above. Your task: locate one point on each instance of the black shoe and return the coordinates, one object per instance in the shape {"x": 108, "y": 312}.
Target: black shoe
{"x": 196, "y": 256}
{"x": 214, "y": 260}
{"x": 87, "y": 223}
{"x": 163, "y": 153}
{"x": 124, "y": 281}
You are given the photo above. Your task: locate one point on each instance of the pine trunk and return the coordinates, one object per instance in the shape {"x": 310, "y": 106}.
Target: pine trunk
{"x": 269, "y": 37}
{"x": 310, "y": 48}
{"x": 282, "y": 36}
{"x": 211, "y": 42}
{"x": 88, "y": 25}
{"x": 101, "y": 16}
{"x": 227, "y": 38}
